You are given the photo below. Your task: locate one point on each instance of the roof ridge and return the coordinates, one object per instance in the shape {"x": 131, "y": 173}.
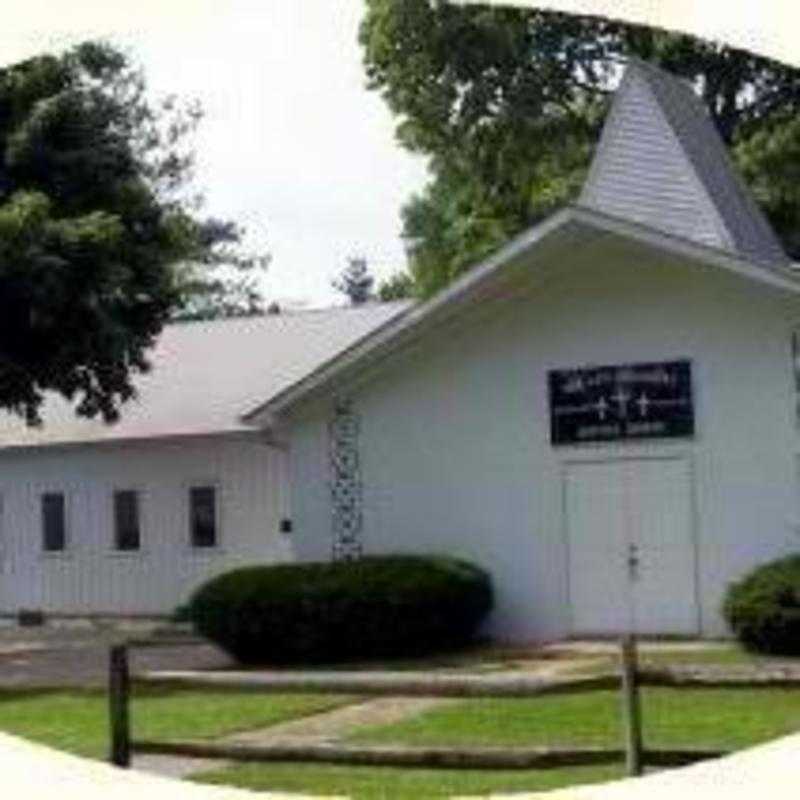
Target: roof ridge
{"x": 287, "y": 312}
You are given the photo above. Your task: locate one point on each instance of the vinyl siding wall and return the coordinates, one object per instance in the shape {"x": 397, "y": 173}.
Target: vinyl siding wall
{"x": 642, "y": 173}
{"x": 90, "y": 577}
{"x": 455, "y": 447}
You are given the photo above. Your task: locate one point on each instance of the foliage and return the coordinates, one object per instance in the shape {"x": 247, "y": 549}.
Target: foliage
{"x": 763, "y": 608}
{"x": 376, "y": 607}
{"x": 508, "y": 104}
{"x": 220, "y": 280}
{"x": 398, "y": 286}
{"x": 355, "y": 281}
{"x": 94, "y": 219}
{"x": 769, "y": 161}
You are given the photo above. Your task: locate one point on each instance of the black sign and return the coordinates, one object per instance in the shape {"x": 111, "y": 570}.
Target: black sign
{"x": 634, "y": 401}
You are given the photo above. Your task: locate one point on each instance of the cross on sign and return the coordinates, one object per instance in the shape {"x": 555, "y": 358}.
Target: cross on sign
{"x": 621, "y": 399}
{"x": 602, "y": 406}
{"x": 643, "y": 404}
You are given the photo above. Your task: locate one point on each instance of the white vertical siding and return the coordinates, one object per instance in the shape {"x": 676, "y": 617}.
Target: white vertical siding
{"x": 455, "y": 443}
{"x": 90, "y": 577}
{"x": 642, "y": 173}
{"x": 661, "y": 162}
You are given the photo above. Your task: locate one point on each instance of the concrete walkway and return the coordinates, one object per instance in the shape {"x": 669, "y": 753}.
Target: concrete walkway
{"x": 768, "y": 772}
{"x": 339, "y": 723}
{"x": 327, "y": 726}
{"x": 35, "y": 772}
{"x": 77, "y": 655}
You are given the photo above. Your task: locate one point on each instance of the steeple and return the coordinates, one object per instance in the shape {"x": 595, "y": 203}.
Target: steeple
{"x": 661, "y": 162}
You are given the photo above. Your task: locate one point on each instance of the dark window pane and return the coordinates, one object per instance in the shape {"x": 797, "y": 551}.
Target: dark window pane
{"x": 203, "y": 516}
{"x": 126, "y": 520}
{"x": 54, "y": 536}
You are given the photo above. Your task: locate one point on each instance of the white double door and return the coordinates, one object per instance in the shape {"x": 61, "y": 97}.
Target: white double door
{"x": 632, "y": 555}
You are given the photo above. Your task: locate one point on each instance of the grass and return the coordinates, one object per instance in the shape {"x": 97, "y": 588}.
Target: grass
{"x": 727, "y": 719}
{"x": 722, "y": 654}
{"x": 724, "y": 719}
{"x": 386, "y": 783}
{"x": 77, "y": 721}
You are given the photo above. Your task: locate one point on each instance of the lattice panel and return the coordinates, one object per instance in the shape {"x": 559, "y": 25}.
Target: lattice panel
{"x": 345, "y": 483}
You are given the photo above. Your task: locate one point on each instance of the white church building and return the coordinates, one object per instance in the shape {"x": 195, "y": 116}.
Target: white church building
{"x": 604, "y": 415}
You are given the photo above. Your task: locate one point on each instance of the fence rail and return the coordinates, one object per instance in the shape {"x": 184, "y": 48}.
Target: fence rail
{"x": 390, "y": 756}
{"x": 385, "y": 684}
{"x": 629, "y": 680}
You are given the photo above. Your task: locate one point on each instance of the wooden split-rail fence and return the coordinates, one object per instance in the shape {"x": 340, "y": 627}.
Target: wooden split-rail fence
{"x": 628, "y": 680}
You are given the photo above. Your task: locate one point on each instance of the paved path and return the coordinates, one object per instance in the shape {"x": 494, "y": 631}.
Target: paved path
{"x": 45, "y": 657}
{"x": 328, "y": 726}
{"x": 341, "y": 722}
{"x": 334, "y": 725}
{"x": 175, "y": 766}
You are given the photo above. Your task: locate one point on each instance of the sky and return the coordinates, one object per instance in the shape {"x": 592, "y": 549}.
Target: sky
{"x": 292, "y": 144}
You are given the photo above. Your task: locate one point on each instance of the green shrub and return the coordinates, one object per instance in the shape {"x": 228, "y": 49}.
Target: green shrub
{"x": 181, "y": 613}
{"x": 763, "y": 609}
{"x": 375, "y": 607}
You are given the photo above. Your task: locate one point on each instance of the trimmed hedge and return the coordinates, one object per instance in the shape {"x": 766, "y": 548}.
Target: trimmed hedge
{"x": 375, "y": 607}
{"x": 763, "y": 608}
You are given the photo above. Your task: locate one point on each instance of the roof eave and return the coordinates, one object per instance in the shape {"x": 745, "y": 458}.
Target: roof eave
{"x": 781, "y": 276}
{"x": 458, "y": 292}
{"x": 777, "y": 276}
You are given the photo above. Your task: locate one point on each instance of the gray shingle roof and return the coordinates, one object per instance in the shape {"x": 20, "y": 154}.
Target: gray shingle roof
{"x": 661, "y": 162}
{"x": 206, "y": 374}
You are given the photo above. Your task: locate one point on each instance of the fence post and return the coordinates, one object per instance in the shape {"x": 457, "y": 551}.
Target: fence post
{"x": 631, "y": 707}
{"x": 118, "y": 705}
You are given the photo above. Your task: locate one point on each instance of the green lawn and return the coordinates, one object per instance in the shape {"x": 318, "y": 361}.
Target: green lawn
{"x": 77, "y": 721}
{"x": 726, "y": 719}
{"x": 386, "y": 783}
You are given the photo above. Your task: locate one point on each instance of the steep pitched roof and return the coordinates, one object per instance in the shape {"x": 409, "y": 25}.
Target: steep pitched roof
{"x": 205, "y": 374}
{"x": 661, "y": 162}
{"x": 661, "y": 177}
{"x": 573, "y": 226}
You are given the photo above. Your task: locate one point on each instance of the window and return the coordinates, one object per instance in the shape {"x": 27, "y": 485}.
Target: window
{"x": 203, "y": 516}
{"x": 54, "y": 528}
{"x": 126, "y": 520}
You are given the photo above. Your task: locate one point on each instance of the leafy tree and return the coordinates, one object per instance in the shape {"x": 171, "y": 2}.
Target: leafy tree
{"x": 355, "y": 281}
{"x": 95, "y": 229}
{"x": 508, "y": 104}
{"x": 398, "y": 286}
{"x": 220, "y": 280}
